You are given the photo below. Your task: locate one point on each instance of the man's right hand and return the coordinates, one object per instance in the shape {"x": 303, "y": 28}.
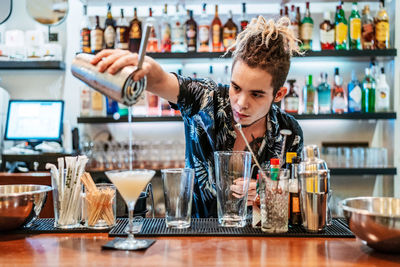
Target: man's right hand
{"x": 159, "y": 82}
{"x": 112, "y": 60}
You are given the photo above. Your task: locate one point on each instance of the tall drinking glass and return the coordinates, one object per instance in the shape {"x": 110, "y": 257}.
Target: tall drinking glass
{"x": 130, "y": 184}
{"x": 178, "y": 194}
{"x": 232, "y": 172}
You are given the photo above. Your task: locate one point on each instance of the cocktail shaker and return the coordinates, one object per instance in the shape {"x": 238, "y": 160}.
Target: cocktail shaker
{"x": 120, "y": 86}
{"x": 315, "y": 192}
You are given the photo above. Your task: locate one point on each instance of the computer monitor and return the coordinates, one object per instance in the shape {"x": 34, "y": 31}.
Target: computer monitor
{"x": 34, "y": 120}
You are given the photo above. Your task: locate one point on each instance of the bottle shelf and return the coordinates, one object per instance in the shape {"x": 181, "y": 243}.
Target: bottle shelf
{"x": 333, "y": 171}
{"x": 363, "y": 171}
{"x": 346, "y": 116}
{"x": 32, "y": 64}
{"x": 323, "y": 53}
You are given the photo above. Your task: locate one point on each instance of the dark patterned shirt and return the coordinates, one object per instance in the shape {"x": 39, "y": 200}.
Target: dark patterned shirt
{"x": 209, "y": 127}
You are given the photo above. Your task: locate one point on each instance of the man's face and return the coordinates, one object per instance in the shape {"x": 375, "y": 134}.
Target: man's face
{"x": 250, "y": 93}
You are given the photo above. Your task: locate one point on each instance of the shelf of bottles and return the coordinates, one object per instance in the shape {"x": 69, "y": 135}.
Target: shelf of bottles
{"x": 344, "y": 116}
{"x": 333, "y": 171}
{"x": 32, "y": 64}
{"x": 322, "y": 53}
{"x": 360, "y": 34}
{"x": 363, "y": 171}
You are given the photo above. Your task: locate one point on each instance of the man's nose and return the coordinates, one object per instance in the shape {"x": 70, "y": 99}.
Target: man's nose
{"x": 243, "y": 101}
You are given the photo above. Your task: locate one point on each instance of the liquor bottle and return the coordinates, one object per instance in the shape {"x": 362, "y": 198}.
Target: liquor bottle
{"x": 109, "y": 29}
{"x": 286, "y": 14}
{"x": 122, "y": 32}
{"x": 367, "y": 32}
{"x": 85, "y": 32}
{"x": 382, "y": 27}
{"x": 229, "y": 31}
{"x": 327, "y": 33}
{"x": 281, "y": 13}
{"x": 191, "y": 33}
{"x": 368, "y": 92}
{"x": 324, "y": 95}
{"x": 294, "y": 195}
{"x": 111, "y": 106}
{"x": 85, "y": 101}
{"x": 298, "y": 20}
{"x": 227, "y": 75}
{"x": 355, "y": 28}
{"x": 96, "y": 37}
{"x": 306, "y": 31}
{"x": 243, "y": 19}
{"x": 309, "y": 96}
{"x": 153, "y": 105}
{"x": 165, "y": 32}
{"x": 97, "y": 101}
{"x": 211, "y": 73}
{"x": 341, "y": 29}
{"x": 256, "y": 207}
{"x": 216, "y": 32}
{"x": 135, "y": 32}
{"x": 355, "y": 93}
{"x": 177, "y": 33}
{"x": 204, "y": 31}
{"x": 382, "y": 93}
{"x": 339, "y": 97}
{"x": 152, "y": 44}
{"x": 291, "y": 100}
{"x": 294, "y": 23}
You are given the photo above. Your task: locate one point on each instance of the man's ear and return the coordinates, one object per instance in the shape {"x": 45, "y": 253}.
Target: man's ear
{"x": 280, "y": 94}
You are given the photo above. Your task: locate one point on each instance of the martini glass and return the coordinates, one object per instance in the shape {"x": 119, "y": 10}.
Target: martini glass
{"x": 130, "y": 183}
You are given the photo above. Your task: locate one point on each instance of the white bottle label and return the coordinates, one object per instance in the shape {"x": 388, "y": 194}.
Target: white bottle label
{"x": 204, "y": 33}
{"x": 327, "y": 37}
{"x": 291, "y": 104}
{"x": 338, "y": 103}
{"x": 109, "y": 36}
{"x": 356, "y": 94}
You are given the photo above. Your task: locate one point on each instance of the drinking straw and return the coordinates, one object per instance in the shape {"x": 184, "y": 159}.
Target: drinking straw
{"x": 239, "y": 127}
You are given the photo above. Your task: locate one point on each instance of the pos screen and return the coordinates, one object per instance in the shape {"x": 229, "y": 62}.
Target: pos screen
{"x": 34, "y": 120}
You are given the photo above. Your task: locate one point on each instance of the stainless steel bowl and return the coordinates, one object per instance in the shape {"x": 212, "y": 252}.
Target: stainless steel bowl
{"x": 20, "y": 205}
{"x": 375, "y": 220}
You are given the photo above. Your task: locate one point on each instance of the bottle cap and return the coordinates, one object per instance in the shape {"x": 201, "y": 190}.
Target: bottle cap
{"x": 274, "y": 161}
{"x": 336, "y": 71}
{"x": 290, "y": 156}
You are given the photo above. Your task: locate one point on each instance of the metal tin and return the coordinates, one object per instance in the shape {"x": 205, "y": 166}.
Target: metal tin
{"x": 120, "y": 86}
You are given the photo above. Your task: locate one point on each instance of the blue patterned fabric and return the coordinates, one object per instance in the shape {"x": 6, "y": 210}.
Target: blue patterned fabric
{"x": 209, "y": 127}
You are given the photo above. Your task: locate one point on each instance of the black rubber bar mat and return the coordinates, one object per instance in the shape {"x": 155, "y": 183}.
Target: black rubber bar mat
{"x": 42, "y": 226}
{"x": 209, "y": 227}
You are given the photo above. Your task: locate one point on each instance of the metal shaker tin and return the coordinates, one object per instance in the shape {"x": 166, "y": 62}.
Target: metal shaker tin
{"x": 120, "y": 86}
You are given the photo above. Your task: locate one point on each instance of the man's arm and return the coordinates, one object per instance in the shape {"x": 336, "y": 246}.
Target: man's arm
{"x": 159, "y": 82}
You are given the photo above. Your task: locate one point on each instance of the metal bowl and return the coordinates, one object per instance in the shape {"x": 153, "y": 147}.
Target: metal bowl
{"x": 20, "y": 205}
{"x": 375, "y": 220}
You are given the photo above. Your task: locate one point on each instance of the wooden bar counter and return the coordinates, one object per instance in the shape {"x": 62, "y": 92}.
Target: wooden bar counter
{"x": 85, "y": 250}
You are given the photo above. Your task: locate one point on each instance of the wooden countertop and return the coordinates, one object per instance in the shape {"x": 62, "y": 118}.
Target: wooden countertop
{"x": 85, "y": 249}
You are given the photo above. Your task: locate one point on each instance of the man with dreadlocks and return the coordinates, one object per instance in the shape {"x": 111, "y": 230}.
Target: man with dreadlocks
{"x": 261, "y": 61}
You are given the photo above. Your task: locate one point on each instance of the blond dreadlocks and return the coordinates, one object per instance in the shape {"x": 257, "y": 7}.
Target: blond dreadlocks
{"x": 268, "y": 45}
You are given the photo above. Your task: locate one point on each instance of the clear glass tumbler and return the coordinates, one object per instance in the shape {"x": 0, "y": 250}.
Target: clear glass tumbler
{"x": 274, "y": 196}
{"x": 178, "y": 194}
{"x": 232, "y": 173}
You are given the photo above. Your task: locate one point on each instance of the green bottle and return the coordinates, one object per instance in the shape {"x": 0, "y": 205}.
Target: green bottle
{"x": 309, "y": 96}
{"x": 341, "y": 29}
{"x": 368, "y": 92}
{"x": 306, "y": 29}
{"x": 355, "y": 28}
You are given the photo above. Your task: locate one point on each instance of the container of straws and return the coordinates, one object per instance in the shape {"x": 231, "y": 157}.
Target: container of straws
{"x": 99, "y": 204}
{"x": 67, "y": 191}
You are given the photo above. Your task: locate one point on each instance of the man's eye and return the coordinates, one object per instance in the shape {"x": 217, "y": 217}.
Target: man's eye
{"x": 257, "y": 95}
{"x": 236, "y": 88}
